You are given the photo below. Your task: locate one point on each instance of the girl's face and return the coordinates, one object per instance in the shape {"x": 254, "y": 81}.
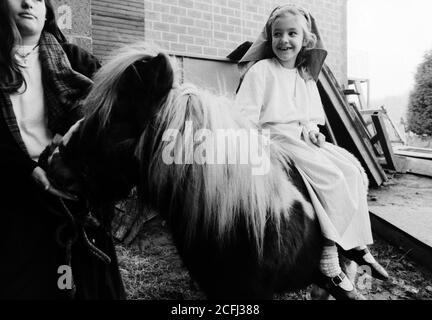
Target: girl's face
{"x": 29, "y": 16}
{"x": 287, "y": 39}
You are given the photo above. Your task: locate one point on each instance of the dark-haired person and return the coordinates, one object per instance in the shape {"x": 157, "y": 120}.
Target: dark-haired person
{"x": 42, "y": 80}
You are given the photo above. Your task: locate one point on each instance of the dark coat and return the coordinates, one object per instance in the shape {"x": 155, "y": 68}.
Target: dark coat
{"x": 30, "y": 219}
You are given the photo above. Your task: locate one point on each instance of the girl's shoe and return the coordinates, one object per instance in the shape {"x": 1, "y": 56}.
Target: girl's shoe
{"x": 335, "y": 286}
{"x": 364, "y": 258}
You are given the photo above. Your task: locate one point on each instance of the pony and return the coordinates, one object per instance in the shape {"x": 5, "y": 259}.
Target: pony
{"x": 241, "y": 235}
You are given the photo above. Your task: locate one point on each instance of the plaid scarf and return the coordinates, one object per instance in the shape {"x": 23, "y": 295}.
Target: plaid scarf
{"x": 64, "y": 90}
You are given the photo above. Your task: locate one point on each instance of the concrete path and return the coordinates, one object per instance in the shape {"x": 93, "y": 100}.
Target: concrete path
{"x": 404, "y": 210}
{"x": 414, "y": 221}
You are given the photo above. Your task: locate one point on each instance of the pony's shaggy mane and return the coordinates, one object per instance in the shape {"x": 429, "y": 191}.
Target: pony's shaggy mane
{"x": 103, "y": 96}
{"x": 218, "y": 195}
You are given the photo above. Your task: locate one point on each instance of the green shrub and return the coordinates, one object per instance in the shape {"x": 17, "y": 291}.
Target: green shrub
{"x": 420, "y": 102}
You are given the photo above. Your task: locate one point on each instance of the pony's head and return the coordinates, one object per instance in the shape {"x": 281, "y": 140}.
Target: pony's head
{"x": 130, "y": 86}
{"x": 100, "y": 151}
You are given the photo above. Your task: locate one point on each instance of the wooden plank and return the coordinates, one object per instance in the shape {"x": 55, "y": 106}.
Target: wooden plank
{"x": 119, "y": 23}
{"x": 389, "y": 124}
{"x": 373, "y": 140}
{"x": 101, "y": 46}
{"x": 107, "y": 30}
{"x": 360, "y": 116}
{"x": 348, "y": 127}
{"x": 124, "y": 18}
{"x": 357, "y": 82}
{"x": 384, "y": 141}
{"x": 115, "y": 12}
{"x": 416, "y": 166}
{"x": 125, "y": 5}
{"x": 330, "y": 132}
{"x": 402, "y": 212}
{"x": 415, "y": 248}
{"x": 359, "y": 89}
{"x": 127, "y": 10}
{"x": 112, "y": 41}
{"x": 132, "y": 2}
{"x": 396, "y": 133}
{"x": 414, "y": 220}
{"x": 117, "y": 43}
{"x": 129, "y": 31}
{"x": 414, "y": 152}
{"x": 116, "y": 23}
{"x": 137, "y": 34}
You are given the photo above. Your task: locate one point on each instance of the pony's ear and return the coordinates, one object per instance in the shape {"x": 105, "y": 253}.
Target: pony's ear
{"x": 160, "y": 76}
{"x": 147, "y": 81}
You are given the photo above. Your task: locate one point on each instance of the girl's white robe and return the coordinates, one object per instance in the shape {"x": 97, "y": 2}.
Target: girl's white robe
{"x": 279, "y": 99}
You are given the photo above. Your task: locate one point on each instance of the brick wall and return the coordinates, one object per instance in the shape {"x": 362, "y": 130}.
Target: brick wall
{"x": 115, "y": 23}
{"x": 213, "y": 28}
{"x": 74, "y": 19}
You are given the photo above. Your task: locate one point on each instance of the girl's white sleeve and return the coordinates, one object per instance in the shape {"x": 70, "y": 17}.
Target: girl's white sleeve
{"x": 250, "y": 97}
{"x": 316, "y": 110}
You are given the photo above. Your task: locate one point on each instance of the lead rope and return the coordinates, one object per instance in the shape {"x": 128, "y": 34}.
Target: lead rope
{"x": 93, "y": 249}
{"x": 67, "y": 244}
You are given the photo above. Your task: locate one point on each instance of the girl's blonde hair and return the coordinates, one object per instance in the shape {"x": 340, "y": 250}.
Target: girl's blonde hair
{"x": 310, "y": 39}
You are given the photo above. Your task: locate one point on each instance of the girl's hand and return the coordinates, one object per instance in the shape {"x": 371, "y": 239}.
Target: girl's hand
{"x": 41, "y": 178}
{"x": 317, "y": 138}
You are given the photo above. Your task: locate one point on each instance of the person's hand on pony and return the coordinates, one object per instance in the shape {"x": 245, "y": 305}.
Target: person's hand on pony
{"x": 41, "y": 178}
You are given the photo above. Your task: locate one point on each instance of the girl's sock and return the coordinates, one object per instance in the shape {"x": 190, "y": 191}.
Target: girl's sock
{"x": 329, "y": 266}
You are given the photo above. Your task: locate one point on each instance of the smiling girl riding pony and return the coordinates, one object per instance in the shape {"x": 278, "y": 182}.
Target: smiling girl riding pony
{"x": 279, "y": 93}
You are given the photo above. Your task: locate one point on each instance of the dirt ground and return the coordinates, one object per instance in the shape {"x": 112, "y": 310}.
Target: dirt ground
{"x": 408, "y": 190}
{"x": 152, "y": 270}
